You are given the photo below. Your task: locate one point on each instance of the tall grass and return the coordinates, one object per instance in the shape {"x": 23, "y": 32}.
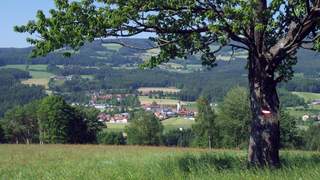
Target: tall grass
{"x": 136, "y": 162}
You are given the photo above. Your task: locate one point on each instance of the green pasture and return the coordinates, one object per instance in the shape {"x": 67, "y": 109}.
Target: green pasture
{"x": 30, "y": 162}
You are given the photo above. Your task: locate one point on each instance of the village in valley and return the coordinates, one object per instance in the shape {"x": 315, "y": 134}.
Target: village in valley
{"x": 113, "y": 109}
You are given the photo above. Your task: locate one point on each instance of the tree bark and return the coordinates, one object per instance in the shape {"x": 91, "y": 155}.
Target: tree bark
{"x": 264, "y": 133}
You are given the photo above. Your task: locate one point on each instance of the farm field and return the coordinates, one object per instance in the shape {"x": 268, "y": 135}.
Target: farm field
{"x": 37, "y": 81}
{"x": 142, "y": 162}
{"x": 147, "y": 100}
{"x": 163, "y": 89}
{"x": 171, "y": 123}
{"x": 307, "y": 96}
{"x": 112, "y": 46}
{"x": 39, "y": 74}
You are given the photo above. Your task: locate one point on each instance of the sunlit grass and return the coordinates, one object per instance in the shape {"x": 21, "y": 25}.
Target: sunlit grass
{"x": 137, "y": 162}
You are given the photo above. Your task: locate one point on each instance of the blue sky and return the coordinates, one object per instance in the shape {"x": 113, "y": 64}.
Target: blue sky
{"x": 18, "y": 12}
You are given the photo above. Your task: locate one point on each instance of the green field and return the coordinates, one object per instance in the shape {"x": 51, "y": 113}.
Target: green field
{"x": 177, "y": 122}
{"x": 112, "y": 46}
{"x": 91, "y": 77}
{"x": 163, "y": 89}
{"x": 116, "y": 127}
{"x": 147, "y": 100}
{"x": 142, "y": 162}
{"x": 38, "y": 72}
{"x": 171, "y": 123}
{"x": 308, "y": 96}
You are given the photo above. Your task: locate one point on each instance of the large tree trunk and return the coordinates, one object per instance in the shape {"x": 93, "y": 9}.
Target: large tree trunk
{"x": 265, "y": 133}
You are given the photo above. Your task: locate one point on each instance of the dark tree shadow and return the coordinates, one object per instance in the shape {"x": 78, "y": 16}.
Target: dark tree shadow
{"x": 224, "y": 162}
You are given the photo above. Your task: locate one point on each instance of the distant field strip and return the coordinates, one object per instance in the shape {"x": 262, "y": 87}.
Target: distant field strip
{"x": 112, "y": 46}
{"x": 163, "y": 89}
{"x": 147, "y": 100}
{"x": 177, "y": 122}
{"x": 35, "y": 81}
{"x": 307, "y": 96}
{"x": 38, "y": 72}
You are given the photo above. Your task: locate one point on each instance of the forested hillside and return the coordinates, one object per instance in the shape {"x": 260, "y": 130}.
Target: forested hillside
{"x": 112, "y": 66}
{"x": 14, "y": 93}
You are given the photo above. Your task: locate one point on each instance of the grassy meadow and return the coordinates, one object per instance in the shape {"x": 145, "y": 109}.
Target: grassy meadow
{"x": 138, "y": 162}
{"x": 147, "y": 100}
{"x": 177, "y": 122}
{"x": 38, "y": 72}
{"x": 307, "y": 96}
{"x": 163, "y": 89}
{"x": 112, "y": 46}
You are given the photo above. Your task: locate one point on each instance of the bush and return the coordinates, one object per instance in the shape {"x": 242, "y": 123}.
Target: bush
{"x": 312, "y": 137}
{"x": 112, "y": 138}
{"x": 178, "y": 138}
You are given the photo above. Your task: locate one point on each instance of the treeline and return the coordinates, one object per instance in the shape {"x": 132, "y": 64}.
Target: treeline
{"x": 50, "y": 120}
{"x": 302, "y": 84}
{"x": 193, "y": 85}
{"x": 13, "y": 92}
{"x": 288, "y": 99}
{"x": 91, "y": 54}
{"x": 211, "y": 84}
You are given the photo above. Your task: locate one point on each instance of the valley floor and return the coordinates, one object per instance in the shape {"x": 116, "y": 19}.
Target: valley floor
{"x": 141, "y": 162}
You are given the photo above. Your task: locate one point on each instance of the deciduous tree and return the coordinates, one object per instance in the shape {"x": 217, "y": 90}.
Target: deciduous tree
{"x": 205, "y": 127}
{"x": 234, "y": 117}
{"x": 144, "y": 129}
{"x": 270, "y": 31}
{"x": 54, "y": 115}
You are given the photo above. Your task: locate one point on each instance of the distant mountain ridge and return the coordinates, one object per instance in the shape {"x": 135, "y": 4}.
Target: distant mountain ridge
{"x": 103, "y": 53}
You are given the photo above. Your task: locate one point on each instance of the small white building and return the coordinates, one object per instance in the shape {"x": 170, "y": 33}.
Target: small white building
{"x": 100, "y": 107}
{"x": 305, "y": 117}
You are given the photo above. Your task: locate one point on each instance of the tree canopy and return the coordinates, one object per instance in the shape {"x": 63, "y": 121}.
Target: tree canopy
{"x": 144, "y": 129}
{"x": 276, "y": 28}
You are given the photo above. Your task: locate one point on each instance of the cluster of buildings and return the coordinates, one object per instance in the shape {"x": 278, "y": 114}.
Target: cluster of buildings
{"x": 96, "y": 96}
{"x": 165, "y": 111}
{"x": 117, "y": 118}
{"x": 160, "y": 111}
{"x": 62, "y": 78}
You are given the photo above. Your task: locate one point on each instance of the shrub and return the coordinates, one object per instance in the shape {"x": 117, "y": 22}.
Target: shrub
{"x": 182, "y": 138}
{"x": 112, "y": 138}
{"x": 312, "y": 137}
